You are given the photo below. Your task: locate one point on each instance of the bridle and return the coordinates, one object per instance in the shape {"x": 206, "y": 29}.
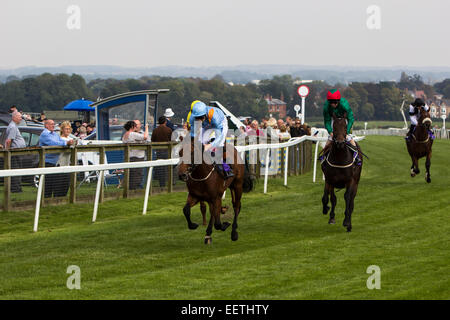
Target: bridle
{"x": 191, "y": 169}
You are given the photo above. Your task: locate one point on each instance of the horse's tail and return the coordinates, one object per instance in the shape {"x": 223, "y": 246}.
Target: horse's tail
{"x": 249, "y": 179}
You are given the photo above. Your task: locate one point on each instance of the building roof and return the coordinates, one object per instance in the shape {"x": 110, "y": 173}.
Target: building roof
{"x": 275, "y": 102}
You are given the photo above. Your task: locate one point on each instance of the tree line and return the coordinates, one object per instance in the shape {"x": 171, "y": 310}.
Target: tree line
{"x": 369, "y": 101}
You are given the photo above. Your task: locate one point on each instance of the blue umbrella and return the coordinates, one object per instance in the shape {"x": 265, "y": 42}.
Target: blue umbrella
{"x": 79, "y": 105}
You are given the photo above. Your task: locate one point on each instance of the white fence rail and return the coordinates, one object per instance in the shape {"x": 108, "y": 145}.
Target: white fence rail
{"x": 42, "y": 172}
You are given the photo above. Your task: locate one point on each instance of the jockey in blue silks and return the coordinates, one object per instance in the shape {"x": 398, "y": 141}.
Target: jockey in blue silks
{"x": 214, "y": 119}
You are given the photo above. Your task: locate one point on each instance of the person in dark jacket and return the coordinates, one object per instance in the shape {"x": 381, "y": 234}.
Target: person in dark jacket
{"x": 162, "y": 133}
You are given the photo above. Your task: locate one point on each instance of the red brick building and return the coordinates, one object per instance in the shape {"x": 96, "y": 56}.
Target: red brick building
{"x": 276, "y": 106}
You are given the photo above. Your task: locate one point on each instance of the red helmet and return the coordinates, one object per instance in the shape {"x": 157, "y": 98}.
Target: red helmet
{"x": 334, "y": 95}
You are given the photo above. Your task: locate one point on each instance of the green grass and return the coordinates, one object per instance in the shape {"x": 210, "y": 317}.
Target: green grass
{"x": 286, "y": 249}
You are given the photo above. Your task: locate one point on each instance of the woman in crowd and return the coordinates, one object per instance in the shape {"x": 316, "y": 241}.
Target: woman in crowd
{"x": 63, "y": 179}
{"x": 131, "y": 136}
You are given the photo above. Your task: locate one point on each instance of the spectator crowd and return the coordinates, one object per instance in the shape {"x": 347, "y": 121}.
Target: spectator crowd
{"x": 69, "y": 132}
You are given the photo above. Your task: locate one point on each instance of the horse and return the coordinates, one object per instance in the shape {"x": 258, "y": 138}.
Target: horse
{"x": 420, "y": 144}
{"x": 341, "y": 170}
{"x": 206, "y": 184}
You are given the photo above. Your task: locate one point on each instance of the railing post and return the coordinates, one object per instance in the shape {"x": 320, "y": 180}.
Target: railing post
{"x": 42, "y": 165}
{"x": 170, "y": 183}
{"x": 102, "y": 155}
{"x": 126, "y": 177}
{"x": 7, "y": 182}
{"x": 295, "y": 159}
{"x": 73, "y": 176}
{"x": 150, "y": 158}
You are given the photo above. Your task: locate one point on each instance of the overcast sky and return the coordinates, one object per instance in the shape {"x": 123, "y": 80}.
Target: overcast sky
{"x": 149, "y": 33}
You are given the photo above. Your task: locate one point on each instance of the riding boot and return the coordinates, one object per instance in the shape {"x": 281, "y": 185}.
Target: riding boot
{"x": 227, "y": 171}
{"x": 411, "y": 130}
{"x": 324, "y": 152}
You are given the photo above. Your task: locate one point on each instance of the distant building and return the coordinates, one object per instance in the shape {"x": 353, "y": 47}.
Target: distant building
{"x": 439, "y": 108}
{"x": 420, "y": 94}
{"x": 276, "y": 105}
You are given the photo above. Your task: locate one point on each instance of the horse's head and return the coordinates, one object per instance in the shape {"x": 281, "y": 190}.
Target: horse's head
{"x": 424, "y": 117}
{"x": 187, "y": 163}
{"x": 339, "y": 130}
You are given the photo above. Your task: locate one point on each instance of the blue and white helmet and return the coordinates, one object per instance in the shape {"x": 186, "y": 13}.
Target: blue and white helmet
{"x": 199, "y": 109}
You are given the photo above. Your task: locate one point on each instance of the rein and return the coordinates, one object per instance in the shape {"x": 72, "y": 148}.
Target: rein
{"x": 201, "y": 179}
{"x": 414, "y": 136}
{"x": 341, "y": 166}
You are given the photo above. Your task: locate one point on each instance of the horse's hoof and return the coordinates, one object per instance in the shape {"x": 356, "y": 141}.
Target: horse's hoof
{"x": 428, "y": 179}
{"x": 345, "y": 223}
{"x": 225, "y": 225}
{"x": 349, "y": 229}
{"x": 208, "y": 240}
{"x": 234, "y": 235}
{"x": 332, "y": 221}
{"x": 193, "y": 226}
{"x": 325, "y": 210}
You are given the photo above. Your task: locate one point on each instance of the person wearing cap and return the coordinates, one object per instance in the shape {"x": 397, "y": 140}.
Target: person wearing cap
{"x": 169, "y": 114}
{"x": 413, "y": 113}
{"x": 214, "y": 119}
{"x": 338, "y": 106}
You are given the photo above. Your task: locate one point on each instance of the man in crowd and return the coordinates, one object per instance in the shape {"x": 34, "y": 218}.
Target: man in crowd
{"x": 12, "y": 109}
{"x": 162, "y": 133}
{"x": 51, "y": 138}
{"x": 169, "y": 114}
{"x": 297, "y": 130}
{"x": 13, "y": 139}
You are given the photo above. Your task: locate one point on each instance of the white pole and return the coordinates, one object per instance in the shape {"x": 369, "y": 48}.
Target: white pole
{"x": 97, "y": 195}
{"x": 147, "y": 190}
{"x": 266, "y": 174}
{"x": 303, "y": 110}
{"x": 38, "y": 202}
{"x": 286, "y": 162}
{"x": 315, "y": 161}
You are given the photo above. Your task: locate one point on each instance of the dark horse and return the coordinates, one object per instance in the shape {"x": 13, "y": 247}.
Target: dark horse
{"x": 420, "y": 143}
{"x": 341, "y": 170}
{"x": 206, "y": 184}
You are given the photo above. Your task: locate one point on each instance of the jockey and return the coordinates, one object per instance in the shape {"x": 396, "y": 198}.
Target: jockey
{"x": 338, "y": 106}
{"x": 413, "y": 113}
{"x": 215, "y": 119}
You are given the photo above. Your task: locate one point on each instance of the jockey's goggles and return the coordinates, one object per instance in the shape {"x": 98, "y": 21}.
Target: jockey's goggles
{"x": 334, "y": 101}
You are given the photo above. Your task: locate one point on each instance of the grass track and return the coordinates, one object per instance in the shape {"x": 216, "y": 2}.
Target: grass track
{"x": 286, "y": 249}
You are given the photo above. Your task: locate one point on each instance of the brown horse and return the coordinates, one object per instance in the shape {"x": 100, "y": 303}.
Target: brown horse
{"x": 341, "y": 170}
{"x": 420, "y": 143}
{"x": 206, "y": 184}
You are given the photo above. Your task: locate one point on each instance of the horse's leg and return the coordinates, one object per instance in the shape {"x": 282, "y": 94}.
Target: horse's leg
{"x": 333, "y": 205}
{"x": 208, "y": 238}
{"x": 427, "y": 166}
{"x": 236, "y": 194}
{"x": 326, "y": 192}
{"x": 415, "y": 166}
{"x": 203, "y": 211}
{"x": 349, "y": 196}
{"x": 215, "y": 210}
{"x": 191, "y": 201}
